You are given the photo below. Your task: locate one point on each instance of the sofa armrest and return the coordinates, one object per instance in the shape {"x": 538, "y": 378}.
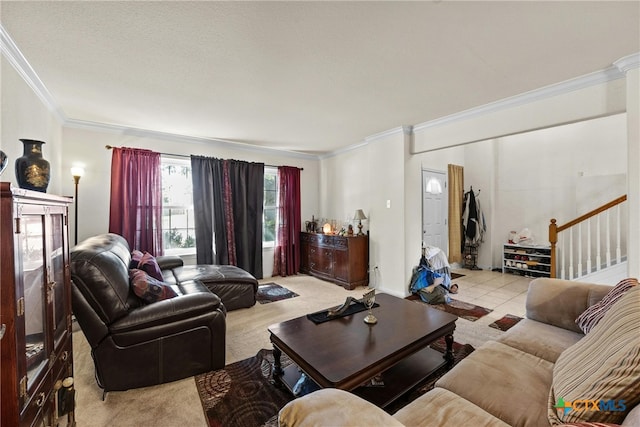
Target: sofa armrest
{"x": 559, "y": 302}
{"x": 333, "y": 407}
{"x": 176, "y": 313}
{"x": 167, "y": 262}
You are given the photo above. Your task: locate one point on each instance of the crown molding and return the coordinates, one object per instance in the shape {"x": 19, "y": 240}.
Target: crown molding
{"x": 629, "y": 62}
{"x": 145, "y": 133}
{"x": 400, "y": 130}
{"x": 614, "y": 72}
{"x": 343, "y": 150}
{"x": 28, "y": 74}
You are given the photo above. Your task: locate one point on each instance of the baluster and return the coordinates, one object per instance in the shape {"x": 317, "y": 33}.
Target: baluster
{"x": 618, "y": 251}
{"x": 563, "y": 265}
{"x": 579, "y": 273}
{"x": 571, "y": 253}
{"x": 598, "y": 257}
{"x": 608, "y": 239}
{"x": 589, "y": 266}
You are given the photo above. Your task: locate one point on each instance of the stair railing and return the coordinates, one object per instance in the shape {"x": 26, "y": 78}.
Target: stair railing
{"x": 578, "y": 252}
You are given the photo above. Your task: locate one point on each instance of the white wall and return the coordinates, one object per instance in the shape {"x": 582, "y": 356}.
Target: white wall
{"x": 525, "y": 180}
{"x": 366, "y": 178}
{"x": 25, "y": 116}
{"x": 87, "y": 148}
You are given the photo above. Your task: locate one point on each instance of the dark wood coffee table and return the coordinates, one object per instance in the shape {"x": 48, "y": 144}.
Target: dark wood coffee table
{"x": 346, "y": 352}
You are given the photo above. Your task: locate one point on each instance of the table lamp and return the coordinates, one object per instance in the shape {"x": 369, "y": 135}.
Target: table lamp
{"x": 359, "y": 216}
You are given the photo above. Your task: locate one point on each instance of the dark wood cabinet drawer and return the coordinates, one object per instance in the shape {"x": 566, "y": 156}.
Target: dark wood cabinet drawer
{"x": 341, "y": 259}
{"x": 39, "y": 403}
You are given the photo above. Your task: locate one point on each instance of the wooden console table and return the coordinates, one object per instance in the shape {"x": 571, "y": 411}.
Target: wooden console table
{"x": 343, "y": 260}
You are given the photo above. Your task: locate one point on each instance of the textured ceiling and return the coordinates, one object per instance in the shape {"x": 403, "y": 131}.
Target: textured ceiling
{"x": 306, "y": 76}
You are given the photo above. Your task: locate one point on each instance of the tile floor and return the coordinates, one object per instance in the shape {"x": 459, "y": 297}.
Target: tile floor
{"x": 502, "y": 293}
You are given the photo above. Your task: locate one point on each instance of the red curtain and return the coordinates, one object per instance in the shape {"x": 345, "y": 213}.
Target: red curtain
{"x": 136, "y": 198}
{"x": 287, "y": 249}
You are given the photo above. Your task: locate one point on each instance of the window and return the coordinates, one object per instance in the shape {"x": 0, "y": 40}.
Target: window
{"x": 178, "y": 222}
{"x": 270, "y": 208}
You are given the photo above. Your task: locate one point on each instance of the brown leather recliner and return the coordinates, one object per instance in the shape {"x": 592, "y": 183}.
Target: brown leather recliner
{"x": 135, "y": 344}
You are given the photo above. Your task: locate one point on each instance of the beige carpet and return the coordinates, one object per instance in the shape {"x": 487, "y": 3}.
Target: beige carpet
{"x": 177, "y": 403}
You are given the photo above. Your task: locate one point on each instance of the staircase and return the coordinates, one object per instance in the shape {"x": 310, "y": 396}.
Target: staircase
{"x": 592, "y": 247}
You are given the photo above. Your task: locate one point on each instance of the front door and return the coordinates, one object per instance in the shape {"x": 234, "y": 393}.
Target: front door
{"x": 434, "y": 209}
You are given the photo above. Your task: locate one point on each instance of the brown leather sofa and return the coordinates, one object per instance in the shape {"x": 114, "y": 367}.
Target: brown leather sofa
{"x": 135, "y": 344}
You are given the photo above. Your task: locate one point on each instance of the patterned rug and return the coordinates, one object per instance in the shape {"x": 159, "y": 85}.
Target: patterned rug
{"x": 505, "y": 323}
{"x": 460, "y": 351}
{"x": 270, "y": 292}
{"x": 241, "y": 394}
{"x": 461, "y": 309}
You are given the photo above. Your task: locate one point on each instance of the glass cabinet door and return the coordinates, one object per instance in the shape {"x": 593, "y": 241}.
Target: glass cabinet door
{"x": 34, "y": 277}
{"x": 56, "y": 278}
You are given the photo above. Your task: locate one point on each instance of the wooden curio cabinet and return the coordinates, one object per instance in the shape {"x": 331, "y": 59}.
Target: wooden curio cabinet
{"x": 35, "y": 309}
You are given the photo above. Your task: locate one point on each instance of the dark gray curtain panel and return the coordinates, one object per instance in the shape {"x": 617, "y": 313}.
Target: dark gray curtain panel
{"x": 207, "y": 178}
{"x": 247, "y": 194}
{"x": 227, "y": 202}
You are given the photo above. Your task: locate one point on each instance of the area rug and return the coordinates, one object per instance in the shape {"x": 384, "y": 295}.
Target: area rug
{"x": 241, "y": 394}
{"x": 460, "y": 351}
{"x": 270, "y": 292}
{"x": 461, "y": 309}
{"x": 506, "y": 322}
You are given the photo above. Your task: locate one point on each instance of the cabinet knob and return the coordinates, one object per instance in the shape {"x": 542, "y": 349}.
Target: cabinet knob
{"x": 40, "y": 399}
{"x": 3, "y": 328}
{"x": 64, "y": 356}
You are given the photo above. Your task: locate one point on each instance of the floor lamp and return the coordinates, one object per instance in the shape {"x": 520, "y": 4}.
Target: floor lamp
{"x": 77, "y": 172}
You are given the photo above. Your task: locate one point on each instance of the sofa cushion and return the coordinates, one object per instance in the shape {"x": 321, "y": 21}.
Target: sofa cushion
{"x": 604, "y": 365}
{"x": 99, "y": 271}
{"x": 507, "y": 383}
{"x": 540, "y": 339}
{"x": 559, "y": 302}
{"x": 333, "y": 407}
{"x": 236, "y": 287}
{"x": 592, "y": 315}
{"x": 148, "y": 288}
{"x": 633, "y": 418}
{"x": 441, "y": 407}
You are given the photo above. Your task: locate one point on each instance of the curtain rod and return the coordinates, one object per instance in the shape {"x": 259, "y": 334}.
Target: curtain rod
{"x": 109, "y": 147}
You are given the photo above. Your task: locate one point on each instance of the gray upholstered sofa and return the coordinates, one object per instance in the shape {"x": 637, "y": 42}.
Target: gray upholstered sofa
{"x": 518, "y": 380}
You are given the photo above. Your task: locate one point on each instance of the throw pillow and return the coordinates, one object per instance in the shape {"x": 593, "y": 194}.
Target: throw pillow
{"x": 149, "y": 264}
{"x": 598, "y": 378}
{"x": 592, "y": 315}
{"x": 136, "y": 256}
{"x": 148, "y": 288}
